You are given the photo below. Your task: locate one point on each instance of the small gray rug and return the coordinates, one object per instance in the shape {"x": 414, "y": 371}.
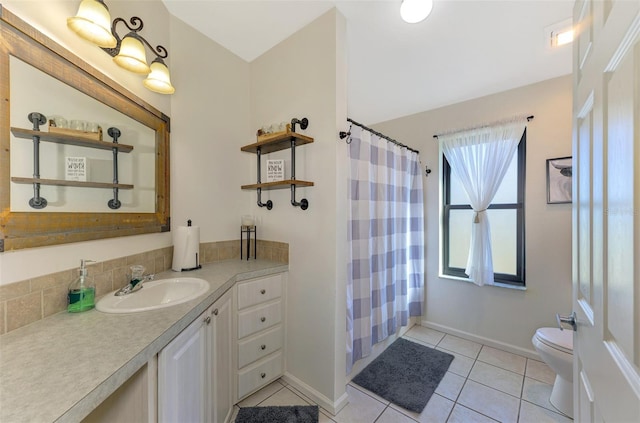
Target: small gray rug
{"x": 406, "y": 374}
{"x": 288, "y": 414}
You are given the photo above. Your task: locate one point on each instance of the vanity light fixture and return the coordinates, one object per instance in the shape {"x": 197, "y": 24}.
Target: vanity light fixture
{"x": 414, "y": 11}
{"x": 93, "y": 23}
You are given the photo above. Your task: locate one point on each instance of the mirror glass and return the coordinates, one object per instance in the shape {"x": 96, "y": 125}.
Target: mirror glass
{"x": 77, "y": 180}
{"x": 34, "y": 91}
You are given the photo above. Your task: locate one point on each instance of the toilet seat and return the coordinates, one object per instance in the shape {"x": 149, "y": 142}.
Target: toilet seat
{"x": 561, "y": 340}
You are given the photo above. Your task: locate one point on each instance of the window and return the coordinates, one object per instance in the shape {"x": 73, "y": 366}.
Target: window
{"x": 506, "y": 216}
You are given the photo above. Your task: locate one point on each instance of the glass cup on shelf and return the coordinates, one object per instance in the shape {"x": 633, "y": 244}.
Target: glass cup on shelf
{"x": 78, "y": 125}
{"x": 60, "y": 122}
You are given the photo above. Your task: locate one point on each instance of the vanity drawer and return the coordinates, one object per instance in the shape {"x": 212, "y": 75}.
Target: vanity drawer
{"x": 260, "y": 346}
{"x": 259, "y": 318}
{"x": 256, "y": 376}
{"x": 258, "y": 291}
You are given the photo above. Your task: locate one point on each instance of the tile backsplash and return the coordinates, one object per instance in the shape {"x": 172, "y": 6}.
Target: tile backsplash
{"x": 30, "y": 300}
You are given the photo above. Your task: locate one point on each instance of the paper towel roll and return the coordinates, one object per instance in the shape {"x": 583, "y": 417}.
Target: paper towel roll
{"x": 186, "y": 248}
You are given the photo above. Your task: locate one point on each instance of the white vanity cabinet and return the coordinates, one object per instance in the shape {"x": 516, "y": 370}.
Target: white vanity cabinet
{"x": 195, "y": 369}
{"x": 260, "y": 333}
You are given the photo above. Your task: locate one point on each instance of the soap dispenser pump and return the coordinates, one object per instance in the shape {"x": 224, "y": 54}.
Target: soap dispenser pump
{"x": 82, "y": 291}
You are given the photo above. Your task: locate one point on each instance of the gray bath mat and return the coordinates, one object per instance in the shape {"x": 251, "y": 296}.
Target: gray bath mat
{"x": 406, "y": 374}
{"x": 289, "y": 414}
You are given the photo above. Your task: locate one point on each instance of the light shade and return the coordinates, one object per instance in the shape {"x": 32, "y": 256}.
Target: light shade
{"x": 93, "y": 23}
{"x": 132, "y": 56}
{"x": 414, "y": 11}
{"x": 159, "y": 79}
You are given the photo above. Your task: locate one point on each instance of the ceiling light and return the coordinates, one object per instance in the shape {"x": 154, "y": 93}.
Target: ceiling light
{"x": 562, "y": 38}
{"x": 559, "y": 34}
{"x": 414, "y": 11}
{"x": 93, "y": 23}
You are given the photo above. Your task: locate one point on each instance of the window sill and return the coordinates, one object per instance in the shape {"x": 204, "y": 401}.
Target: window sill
{"x": 497, "y": 284}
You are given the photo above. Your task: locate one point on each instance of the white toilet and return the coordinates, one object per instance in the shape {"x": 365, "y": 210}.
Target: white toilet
{"x": 555, "y": 348}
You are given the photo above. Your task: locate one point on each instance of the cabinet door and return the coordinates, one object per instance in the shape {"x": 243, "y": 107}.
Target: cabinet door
{"x": 182, "y": 374}
{"x": 221, "y": 367}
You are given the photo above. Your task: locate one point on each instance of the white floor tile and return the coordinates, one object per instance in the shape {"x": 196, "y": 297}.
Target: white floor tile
{"x": 450, "y": 386}
{"x": 497, "y": 386}
{"x": 437, "y": 410}
{"x": 462, "y": 414}
{"x": 461, "y": 364}
{"x": 361, "y": 408}
{"x": 323, "y": 418}
{"x": 285, "y": 396}
{"x": 497, "y": 378}
{"x": 261, "y": 395}
{"x": 503, "y": 359}
{"x": 368, "y": 392}
{"x": 531, "y": 413}
{"x": 490, "y": 402}
{"x": 461, "y": 346}
{"x": 537, "y": 392}
{"x": 430, "y": 336}
{"x": 540, "y": 371}
{"x": 393, "y": 416}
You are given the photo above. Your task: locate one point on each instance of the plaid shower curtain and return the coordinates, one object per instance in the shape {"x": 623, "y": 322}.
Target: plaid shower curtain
{"x": 385, "y": 281}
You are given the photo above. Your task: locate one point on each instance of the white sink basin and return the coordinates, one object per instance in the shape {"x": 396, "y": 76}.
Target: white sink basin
{"x": 153, "y": 295}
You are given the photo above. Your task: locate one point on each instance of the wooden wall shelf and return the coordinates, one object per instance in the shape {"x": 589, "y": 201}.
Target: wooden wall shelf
{"x": 65, "y": 183}
{"x": 268, "y": 186}
{"x": 278, "y": 142}
{"x": 70, "y": 140}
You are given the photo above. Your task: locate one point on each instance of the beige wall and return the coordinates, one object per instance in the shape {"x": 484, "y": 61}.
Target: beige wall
{"x": 209, "y": 123}
{"x": 300, "y": 78}
{"x": 502, "y": 316}
{"x": 50, "y": 17}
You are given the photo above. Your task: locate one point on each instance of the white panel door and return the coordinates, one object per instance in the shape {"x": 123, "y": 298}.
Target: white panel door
{"x": 221, "y": 366}
{"x": 182, "y": 372}
{"x": 606, "y": 211}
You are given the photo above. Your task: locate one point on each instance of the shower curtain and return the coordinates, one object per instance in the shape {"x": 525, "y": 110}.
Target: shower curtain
{"x": 385, "y": 281}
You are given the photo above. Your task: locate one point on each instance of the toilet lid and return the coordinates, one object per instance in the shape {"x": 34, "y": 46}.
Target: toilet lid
{"x": 555, "y": 338}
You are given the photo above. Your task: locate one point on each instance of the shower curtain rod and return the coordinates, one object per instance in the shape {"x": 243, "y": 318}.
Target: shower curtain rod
{"x": 529, "y": 118}
{"x": 380, "y": 135}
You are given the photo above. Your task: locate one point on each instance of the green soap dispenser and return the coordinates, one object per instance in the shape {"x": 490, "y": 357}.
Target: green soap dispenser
{"x": 82, "y": 291}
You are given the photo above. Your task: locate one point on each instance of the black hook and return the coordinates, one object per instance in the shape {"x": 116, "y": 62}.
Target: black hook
{"x": 427, "y": 170}
{"x": 304, "y": 123}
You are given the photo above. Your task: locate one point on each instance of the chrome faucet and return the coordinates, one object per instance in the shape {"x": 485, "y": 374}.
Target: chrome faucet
{"x": 135, "y": 281}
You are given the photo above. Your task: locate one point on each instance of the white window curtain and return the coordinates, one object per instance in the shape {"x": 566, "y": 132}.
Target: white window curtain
{"x": 386, "y": 241}
{"x": 479, "y": 158}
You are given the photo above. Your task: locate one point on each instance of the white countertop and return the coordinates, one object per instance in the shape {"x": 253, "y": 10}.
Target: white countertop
{"x": 62, "y": 367}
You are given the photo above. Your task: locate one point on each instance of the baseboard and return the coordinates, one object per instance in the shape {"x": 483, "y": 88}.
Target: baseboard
{"x": 316, "y": 397}
{"x": 480, "y": 339}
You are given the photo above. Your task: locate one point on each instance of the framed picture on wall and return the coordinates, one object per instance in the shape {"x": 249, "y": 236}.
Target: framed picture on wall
{"x": 559, "y": 175}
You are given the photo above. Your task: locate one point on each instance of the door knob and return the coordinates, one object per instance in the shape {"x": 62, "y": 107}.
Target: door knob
{"x": 570, "y": 319}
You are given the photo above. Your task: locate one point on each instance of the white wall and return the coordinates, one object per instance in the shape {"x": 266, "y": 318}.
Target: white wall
{"x": 300, "y": 78}
{"x": 501, "y": 315}
{"x": 209, "y": 124}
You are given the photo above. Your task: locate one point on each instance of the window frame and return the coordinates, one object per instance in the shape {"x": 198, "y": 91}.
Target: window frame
{"x": 517, "y": 280}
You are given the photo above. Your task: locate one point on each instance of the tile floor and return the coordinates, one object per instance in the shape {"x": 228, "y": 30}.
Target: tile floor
{"x": 483, "y": 384}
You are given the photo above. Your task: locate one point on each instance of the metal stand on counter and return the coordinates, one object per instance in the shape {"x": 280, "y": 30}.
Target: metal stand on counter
{"x": 248, "y": 230}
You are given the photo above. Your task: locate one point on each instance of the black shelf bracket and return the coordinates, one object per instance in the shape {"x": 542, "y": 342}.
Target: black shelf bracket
{"x": 269, "y": 203}
{"x": 303, "y": 204}
{"x": 114, "y": 203}
{"x": 37, "y": 202}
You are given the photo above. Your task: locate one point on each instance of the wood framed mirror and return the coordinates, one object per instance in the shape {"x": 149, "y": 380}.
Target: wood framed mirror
{"x": 23, "y": 50}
